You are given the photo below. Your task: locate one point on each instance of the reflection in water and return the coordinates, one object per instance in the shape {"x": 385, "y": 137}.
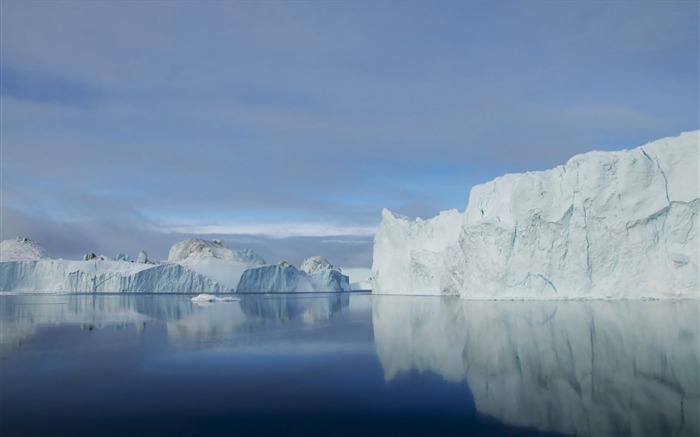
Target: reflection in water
{"x": 584, "y": 368}
{"x": 311, "y": 308}
{"x": 22, "y": 315}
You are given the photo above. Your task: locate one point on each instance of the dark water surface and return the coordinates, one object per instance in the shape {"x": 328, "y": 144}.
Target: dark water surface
{"x": 346, "y": 364}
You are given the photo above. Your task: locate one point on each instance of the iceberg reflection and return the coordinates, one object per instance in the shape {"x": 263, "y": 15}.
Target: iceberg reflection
{"x": 584, "y": 368}
{"x": 22, "y": 315}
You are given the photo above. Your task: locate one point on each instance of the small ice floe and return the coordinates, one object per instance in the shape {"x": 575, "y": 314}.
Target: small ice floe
{"x": 206, "y": 298}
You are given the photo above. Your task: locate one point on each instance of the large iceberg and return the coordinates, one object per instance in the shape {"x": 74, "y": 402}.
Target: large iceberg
{"x": 604, "y": 225}
{"x": 102, "y": 276}
{"x": 214, "y": 260}
{"x": 194, "y": 266}
{"x": 324, "y": 275}
{"x": 25, "y": 267}
{"x": 316, "y": 274}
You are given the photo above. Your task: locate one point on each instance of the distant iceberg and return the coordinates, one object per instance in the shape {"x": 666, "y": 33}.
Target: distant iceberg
{"x": 214, "y": 260}
{"x": 25, "y": 267}
{"x": 316, "y": 274}
{"x": 208, "y": 298}
{"x": 194, "y": 266}
{"x": 21, "y": 249}
{"x": 606, "y": 225}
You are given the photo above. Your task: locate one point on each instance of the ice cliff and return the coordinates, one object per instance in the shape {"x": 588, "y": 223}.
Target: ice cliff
{"x": 316, "y": 274}
{"x": 194, "y": 266}
{"x": 102, "y": 276}
{"x": 604, "y": 225}
{"x": 25, "y": 267}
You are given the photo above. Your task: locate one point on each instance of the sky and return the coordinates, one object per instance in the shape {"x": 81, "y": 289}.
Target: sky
{"x": 286, "y": 126}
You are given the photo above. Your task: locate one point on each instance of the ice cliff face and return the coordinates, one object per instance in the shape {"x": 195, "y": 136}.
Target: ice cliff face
{"x": 195, "y": 266}
{"x": 409, "y": 256}
{"x": 24, "y": 267}
{"x": 604, "y": 225}
{"x": 102, "y": 276}
{"x": 284, "y": 277}
{"x": 325, "y": 276}
{"x": 576, "y": 367}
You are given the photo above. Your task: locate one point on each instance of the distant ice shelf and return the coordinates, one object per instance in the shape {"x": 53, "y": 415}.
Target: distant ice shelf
{"x": 606, "y": 225}
{"x": 194, "y": 266}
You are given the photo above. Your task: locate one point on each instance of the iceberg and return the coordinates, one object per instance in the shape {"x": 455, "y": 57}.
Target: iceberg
{"x": 209, "y": 298}
{"x": 324, "y": 275}
{"x": 214, "y": 260}
{"x": 280, "y": 278}
{"x": 21, "y": 249}
{"x": 102, "y": 276}
{"x": 25, "y": 267}
{"x": 142, "y": 258}
{"x": 316, "y": 274}
{"x": 606, "y": 225}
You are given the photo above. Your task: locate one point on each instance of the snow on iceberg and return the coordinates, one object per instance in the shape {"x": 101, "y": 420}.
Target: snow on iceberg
{"x": 324, "y": 275}
{"x": 21, "y": 249}
{"x": 604, "y": 225}
{"x": 214, "y": 260}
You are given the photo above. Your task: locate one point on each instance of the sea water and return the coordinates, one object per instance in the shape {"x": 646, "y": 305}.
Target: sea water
{"x": 345, "y": 364}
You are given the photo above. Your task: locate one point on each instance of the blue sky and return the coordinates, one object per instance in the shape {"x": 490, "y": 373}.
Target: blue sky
{"x": 287, "y": 126}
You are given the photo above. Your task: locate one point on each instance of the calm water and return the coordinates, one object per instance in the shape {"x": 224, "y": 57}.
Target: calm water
{"x": 346, "y": 364}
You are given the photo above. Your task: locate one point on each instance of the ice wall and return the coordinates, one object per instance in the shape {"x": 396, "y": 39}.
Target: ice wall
{"x": 102, "y": 276}
{"x": 604, "y": 225}
{"x": 316, "y": 274}
{"x": 575, "y": 367}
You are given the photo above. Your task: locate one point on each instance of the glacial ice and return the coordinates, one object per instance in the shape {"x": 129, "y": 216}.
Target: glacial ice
{"x": 21, "y": 249}
{"x": 102, "y": 276}
{"x": 214, "y": 260}
{"x": 573, "y": 367}
{"x": 200, "y": 249}
{"x": 194, "y": 266}
{"x": 606, "y": 225}
{"x": 209, "y": 298}
{"x": 316, "y": 274}
{"x": 26, "y": 268}
{"x": 324, "y": 275}
{"x": 142, "y": 258}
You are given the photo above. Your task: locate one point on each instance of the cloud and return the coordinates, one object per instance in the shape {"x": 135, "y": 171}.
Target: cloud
{"x": 269, "y": 119}
{"x": 279, "y": 230}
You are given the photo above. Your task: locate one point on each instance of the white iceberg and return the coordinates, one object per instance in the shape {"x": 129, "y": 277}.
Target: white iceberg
{"x": 21, "y": 249}
{"x": 208, "y": 298}
{"x": 606, "y": 225}
{"x": 214, "y": 260}
{"x": 324, "y": 275}
{"x": 316, "y": 274}
{"x": 29, "y": 270}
